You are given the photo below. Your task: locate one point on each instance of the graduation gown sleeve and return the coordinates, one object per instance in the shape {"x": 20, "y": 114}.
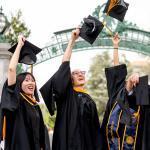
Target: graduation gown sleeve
{"x": 62, "y": 78}
{"x": 115, "y": 77}
{"x": 9, "y": 102}
{"x": 56, "y": 86}
{"x": 10, "y": 97}
{"x": 48, "y": 96}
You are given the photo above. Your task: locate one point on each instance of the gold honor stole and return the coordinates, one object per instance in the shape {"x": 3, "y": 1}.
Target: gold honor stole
{"x": 29, "y": 99}
{"x": 77, "y": 89}
{"x": 130, "y": 131}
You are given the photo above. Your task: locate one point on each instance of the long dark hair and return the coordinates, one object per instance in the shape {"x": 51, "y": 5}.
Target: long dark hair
{"x": 21, "y": 77}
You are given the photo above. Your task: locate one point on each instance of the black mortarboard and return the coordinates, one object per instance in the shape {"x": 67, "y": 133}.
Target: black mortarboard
{"x": 28, "y": 52}
{"x": 142, "y": 96}
{"x": 116, "y": 9}
{"x": 91, "y": 29}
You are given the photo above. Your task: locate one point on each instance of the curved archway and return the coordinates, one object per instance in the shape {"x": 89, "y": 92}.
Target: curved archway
{"x": 131, "y": 40}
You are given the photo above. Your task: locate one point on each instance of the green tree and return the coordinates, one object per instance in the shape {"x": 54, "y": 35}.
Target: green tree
{"x": 17, "y": 26}
{"x": 96, "y": 84}
{"x": 19, "y": 68}
{"x": 49, "y": 120}
{"x": 98, "y": 12}
{"x": 122, "y": 26}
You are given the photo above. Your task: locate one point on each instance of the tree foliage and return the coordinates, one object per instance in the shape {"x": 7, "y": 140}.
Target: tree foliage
{"x": 49, "y": 120}
{"x": 122, "y": 26}
{"x": 17, "y": 26}
{"x": 96, "y": 84}
{"x": 19, "y": 69}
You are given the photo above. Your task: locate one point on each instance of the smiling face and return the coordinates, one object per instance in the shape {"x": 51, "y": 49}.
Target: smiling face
{"x": 78, "y": 78}
{"x": 28, "y": 85}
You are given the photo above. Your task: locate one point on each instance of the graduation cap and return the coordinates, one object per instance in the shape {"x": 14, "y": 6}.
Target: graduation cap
{"x": 91, "y": 29}
{"x": 116, "y": 9}
{"x": 142, "y": 95}
{"x": 28, "y": 53}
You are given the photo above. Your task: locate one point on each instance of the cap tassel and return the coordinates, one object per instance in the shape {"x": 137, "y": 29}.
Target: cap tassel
{"x": 137, "y": 114}
{"x": 109, "y": 30}
{"x": 31, "y": 69}
{"x": 111, "y": 5}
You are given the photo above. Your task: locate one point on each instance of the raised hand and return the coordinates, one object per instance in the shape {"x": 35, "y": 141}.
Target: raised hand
{"x": 75, "y": 34}
{"x": 21, "y": 40}
{"x": 116, "y": 40}
{"x": 132, "y": 81}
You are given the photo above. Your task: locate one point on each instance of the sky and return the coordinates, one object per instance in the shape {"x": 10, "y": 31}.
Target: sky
{"x": 44, "y": 17}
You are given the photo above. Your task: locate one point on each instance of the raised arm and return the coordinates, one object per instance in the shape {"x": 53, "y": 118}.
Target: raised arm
{"x": 116, "y": 41}
{"x": 14, "y": 61}
{"x": 68, "y": 51}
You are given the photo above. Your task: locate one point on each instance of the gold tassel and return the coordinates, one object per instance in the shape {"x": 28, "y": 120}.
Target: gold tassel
{"x": 112, "y": 4}
{"x": 109, "y": 30}
{"x": 137, "y": 114}
{"x": 30, "y": 100}
{"x": 77, "y": 89}
{"x": 31, "y": 69}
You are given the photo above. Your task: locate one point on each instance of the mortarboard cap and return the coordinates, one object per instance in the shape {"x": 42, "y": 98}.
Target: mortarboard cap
{"x": 142, "y": 96}
{"x": 116, "y": 9}
{"x": 28, "y": 53}
{"x": 91, "y": 29}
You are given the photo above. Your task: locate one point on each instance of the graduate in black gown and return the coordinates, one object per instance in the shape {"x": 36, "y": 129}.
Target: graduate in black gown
{"x": 21, "y": 120}
{"x": 125, "y": 122}
{"x": 77, "y": 125}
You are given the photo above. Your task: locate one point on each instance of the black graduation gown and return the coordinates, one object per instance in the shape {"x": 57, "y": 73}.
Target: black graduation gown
{"x": 25, "y": 128}
{"x": 115, "y": 82}
{"x": 146, "y": 130}
{"x": 77, "y": 125}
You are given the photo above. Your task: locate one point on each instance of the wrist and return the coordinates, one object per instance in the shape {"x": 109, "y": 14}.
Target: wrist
{"x": 129, "y": 89}
{"x": 115, "y": 46}
{"x": 19, "y": 46}
{"x": 72, "y": 41}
